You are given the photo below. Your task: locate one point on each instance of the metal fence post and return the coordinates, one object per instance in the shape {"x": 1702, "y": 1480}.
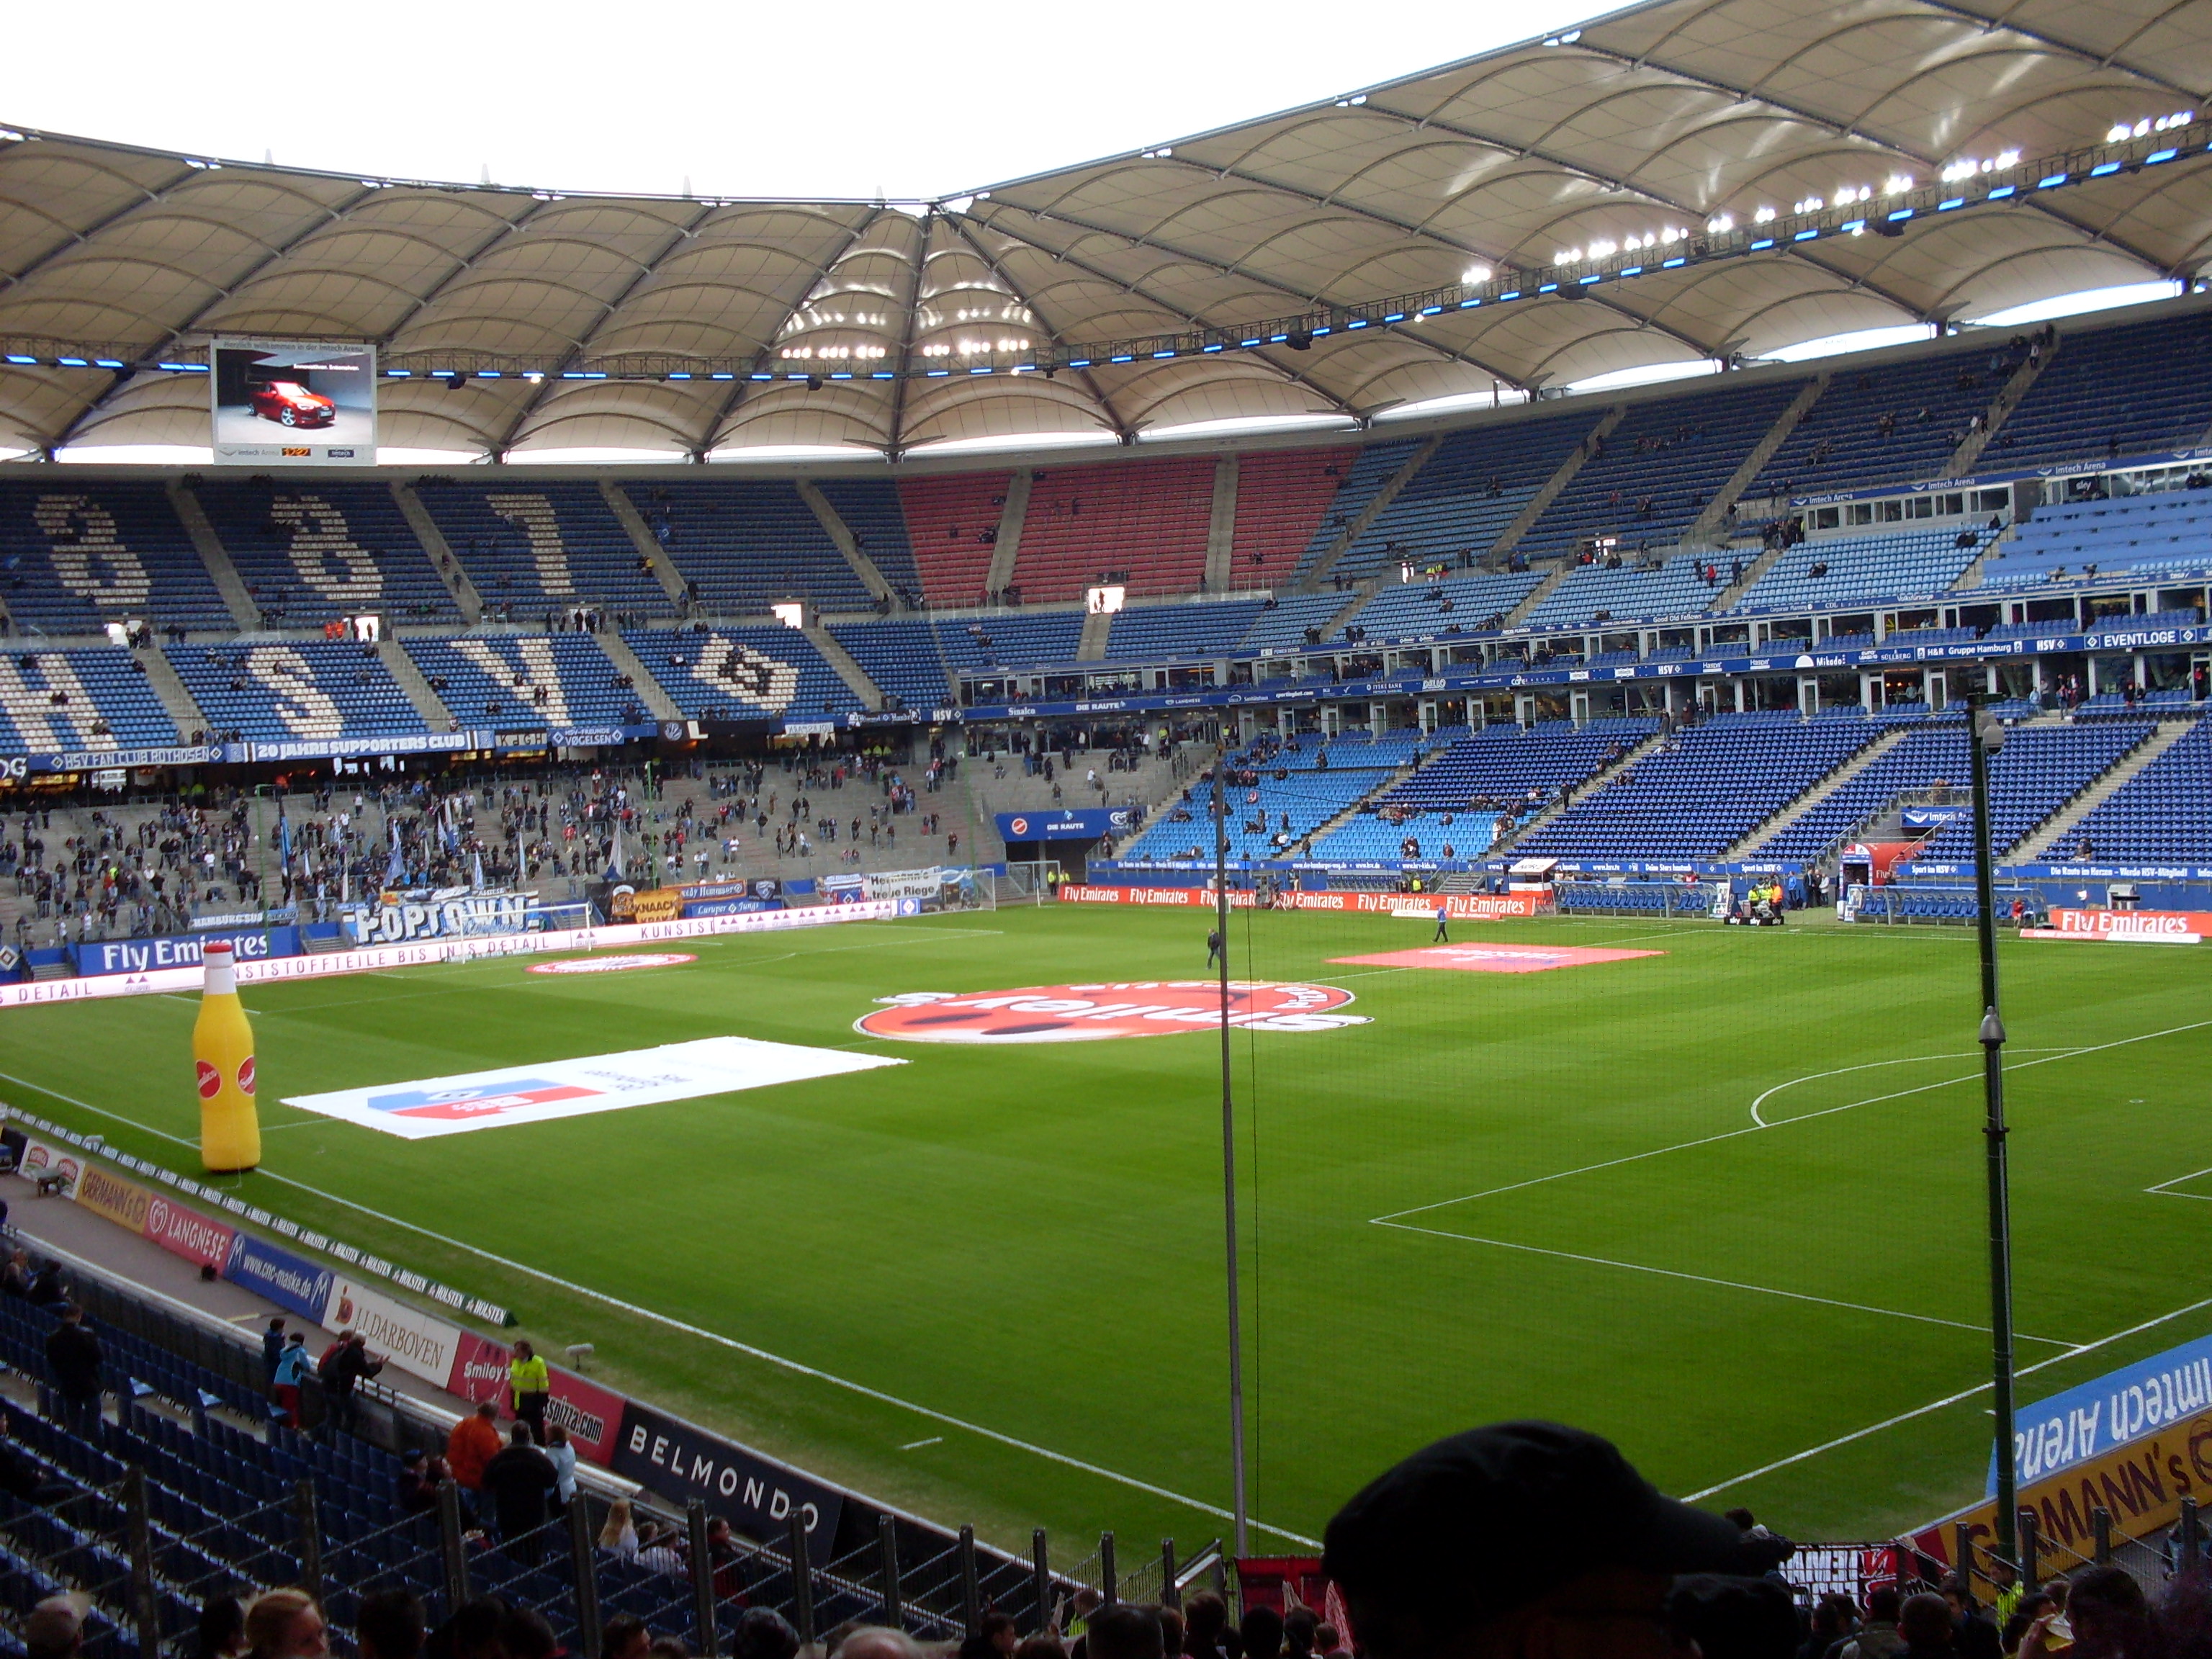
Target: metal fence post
{"x": 586, "y": 1575}
{"x": 702, "y": 1580}
{"x": 143, "y": 1611}
{"x": 887, "y": 1567}
{"x": 1109, "y": 1583}
{"x": 802, "y": 1577}
{"x": 2030, "y": 1569}
{"x": 311, "y": 1537}
{"x": 2100, "y": 1521}
{"x": 971, "y": 1589}
{"x": 2192, "y": 1534}
{"x": 1170, "y": 1592}
{"x": 452, "y": 1553}
{"x": 1041, "y": 1577}
{"x": 1962, "y": 1551}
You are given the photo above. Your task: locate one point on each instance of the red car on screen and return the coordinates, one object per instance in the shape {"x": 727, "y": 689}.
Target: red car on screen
{"x": 289, "y": 403}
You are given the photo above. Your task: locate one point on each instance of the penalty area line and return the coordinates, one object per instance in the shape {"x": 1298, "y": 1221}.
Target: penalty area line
{"x": 799, "y": 1368}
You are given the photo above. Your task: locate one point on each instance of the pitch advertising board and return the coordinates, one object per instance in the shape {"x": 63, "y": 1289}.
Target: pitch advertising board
{"x": 671, "y": 1458}
{"x": 417, "y": 1343}
{"x": 591, "y": 1415}
{"x": 293, "y": 403}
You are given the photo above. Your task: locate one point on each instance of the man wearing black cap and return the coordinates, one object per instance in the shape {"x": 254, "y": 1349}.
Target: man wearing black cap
{"x": 1521, "y": 1540}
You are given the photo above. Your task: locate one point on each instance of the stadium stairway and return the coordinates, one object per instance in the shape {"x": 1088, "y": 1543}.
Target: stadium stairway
{"x": 648, "y": 547}
{"x": 162, "y": 680}
{"x": 658, "y": 702}
{"x": 1708, "y": 522}
{"x": 855, "y": 677}
{"x": 1012, "y": 517}
{"x": 428, "y": 703}
{"x": 1097, "y": 629}
{"x": 1818, "y": 793}
{"x": 1221, "y": 525}
{"x": 1596, "y": 780}
{"x": 221, "y": 571}
{"x": 2008, "y": 399}
{"x": 1352, "y": 812}
{"x": 1312, "y": 581}
{"x": 2036, "y": 845}
{"x": 458, "y": 581}
{"x": 1525, "y": 519}
{"x": 1537, "y": 594}
{"x": 863, "y": 568}
{"x": 1730, "y": 597}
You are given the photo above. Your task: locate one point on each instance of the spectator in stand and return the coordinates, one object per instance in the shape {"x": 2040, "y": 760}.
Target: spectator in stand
{"x": 1973, "y": 1633}
{"x": 1043, "y": 1646}
{"x": 532, "y": 1386}
{"x": 285, "y": 1624}
{"x": 419, "y": 1475}
{"x": 221, "y": 1628}
{"x": 73, "y": 1362}
{"x": 520, "y": 1482}
{"x": 727, "y": 1561}
{"x": 343, "y": 1372}
{"x": 1924, "y": 1621}
{"x": 15, "y": 1276}
{"x": 526, "y": 1633}
{"x": 1454, "y": 1552}
{"x": 563, "y": 1458}
{"x": 1731, "y": 1618}
{"x": 1879, "y": 1637}
{"x": 1262, "y": 1629}
{"x": 292, "y": 1367}
{"x": 1122, "y": 1632}
{"x": 272, "y": 1350}
{"x": 764, "y": 1633}
{"x": 625, "y": 1637}
{"x": 472, "y": 1445}
{"x": 1328, "y": 1643}
{"x": 55, "y": 1629}
{"x": 657, "y": 1551}
{"x": 619, "y": 1535}
{"x": 389, "y": 1625}
{"x": 876, "y": 1642}
{"x": 1205, "y": 1618}
{"x": 2109, "y": 1620}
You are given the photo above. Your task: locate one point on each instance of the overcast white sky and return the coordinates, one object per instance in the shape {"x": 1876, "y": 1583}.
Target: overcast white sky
{"x": 790, "y": 100}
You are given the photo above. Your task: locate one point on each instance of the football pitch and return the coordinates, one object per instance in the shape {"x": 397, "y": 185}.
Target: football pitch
{"x": 1724, "y": 1202}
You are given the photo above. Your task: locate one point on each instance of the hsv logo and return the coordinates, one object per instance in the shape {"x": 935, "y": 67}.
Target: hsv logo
{"x": 210, "y": 1081}
{"x": 613, "y": 964}
{"x": 1077, "y": 1013}
{"x": 1020, "y": 826}
{"x": 479, "y": 1103}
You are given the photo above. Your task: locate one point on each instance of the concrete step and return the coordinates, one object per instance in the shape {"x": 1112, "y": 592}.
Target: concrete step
{"x": 642, "y": 538}
{"x": 1525, "y": 519}
{"x": 1221, "y": 528}
{"x": 161, "y": 679}
{"x": 458, "y": 582}
{"x": 1582, "y": 791}
{"x": 657, "y": 702}
{"x": 849, "y": 670}
{"x": 1818, "y": 793}
{"x": 2036, "y": 845}
{"x": 2008, "y": 400}
{"x": 1732, "y": 595}
{"x": 228, "y": 582}
{"x": 1008, "y": 548}
{"x": 839, "y": 531}
{"x": 1097, "y": 625}
{"x": 1542, "y": 591}
{"x": 428, "y": 703}
{"x": 1352, "y": 533}
{"x": 1709, "y": 521}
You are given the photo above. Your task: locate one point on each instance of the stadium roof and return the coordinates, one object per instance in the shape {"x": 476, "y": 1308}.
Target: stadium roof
{"x": 1384, "y": 249}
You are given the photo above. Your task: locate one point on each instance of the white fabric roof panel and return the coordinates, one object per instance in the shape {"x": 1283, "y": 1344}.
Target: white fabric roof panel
{"x": 1650, "y": 120}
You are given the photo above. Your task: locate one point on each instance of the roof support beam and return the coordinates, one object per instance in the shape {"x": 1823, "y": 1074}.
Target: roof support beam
{"x": 1123, "y": 429}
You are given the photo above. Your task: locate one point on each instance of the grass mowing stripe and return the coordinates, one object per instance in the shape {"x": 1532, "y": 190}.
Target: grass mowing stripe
{"x": 797, "y": 1367}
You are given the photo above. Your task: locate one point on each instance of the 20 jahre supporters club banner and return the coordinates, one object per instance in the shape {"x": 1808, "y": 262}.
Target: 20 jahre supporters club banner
{"x": 1077, "y": 1013}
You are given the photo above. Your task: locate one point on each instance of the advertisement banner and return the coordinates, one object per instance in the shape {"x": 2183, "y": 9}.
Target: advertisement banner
{"x": 572, "y": 1088}
{"x": 591, "y": 1415}
{"x": 903, "y": 884}
{"x": 146, "y": 955}
{"x": 42, "y": 1158}
{"x": 1464, "y": 907}
{"x": 2055, "y": 1435}
{"x": 1065, "y": 823}
{"x": 669, "y": 1457}
{"x": 2133, "y": 924}
{"x": 185, "y": 1232}
{"x": 280, "y": 404}
{"x": 414, "y": 1341}
{"x": 291, "y": 1281}
{"x": 124, "y": 1202}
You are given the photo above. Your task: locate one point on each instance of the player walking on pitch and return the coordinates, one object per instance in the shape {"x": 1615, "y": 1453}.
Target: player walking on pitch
{"x": 1443, "y": 920}
{"x": 1212, "y": 947}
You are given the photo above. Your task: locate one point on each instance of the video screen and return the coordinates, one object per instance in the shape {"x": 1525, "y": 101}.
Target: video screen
{"x": 292, "y": 402}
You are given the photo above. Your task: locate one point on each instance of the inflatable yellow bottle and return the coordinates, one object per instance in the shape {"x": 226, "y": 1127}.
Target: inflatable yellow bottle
{"x": 222, "y": 1054}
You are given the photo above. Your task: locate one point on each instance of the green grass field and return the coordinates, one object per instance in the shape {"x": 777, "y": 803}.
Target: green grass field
{"x": 1015, "y": 1253}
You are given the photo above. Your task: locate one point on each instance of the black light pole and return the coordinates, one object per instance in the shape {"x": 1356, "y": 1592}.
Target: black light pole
{"x": 1985, "y": 737}
{"x": 1229, "y": 1152}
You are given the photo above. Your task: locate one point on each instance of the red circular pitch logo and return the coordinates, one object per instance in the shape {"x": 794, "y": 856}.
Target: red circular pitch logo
{"x": 1077, "y": 1013}
{"x": 613, "y": 964}
{"x": 246, "y": 1075}
{"x": 210, "y": 1081}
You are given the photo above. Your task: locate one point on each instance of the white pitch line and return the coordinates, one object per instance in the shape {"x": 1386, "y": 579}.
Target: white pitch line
{"x": 1912, "y": 1059}
{"x": 2161, "y": 1189}
{"x": 1724, "y": 1284}
{"x": 916, "y": 1445}
{"x": 1938, "y": 1405}
{"x": 797, "y": 1367}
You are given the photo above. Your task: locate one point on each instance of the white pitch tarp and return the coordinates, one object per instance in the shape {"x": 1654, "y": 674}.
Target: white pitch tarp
{"x": 572, "y": 1088}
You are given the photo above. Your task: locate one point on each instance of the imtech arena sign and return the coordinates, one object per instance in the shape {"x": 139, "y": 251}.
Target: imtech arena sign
{"x": 1078, "y": 1013}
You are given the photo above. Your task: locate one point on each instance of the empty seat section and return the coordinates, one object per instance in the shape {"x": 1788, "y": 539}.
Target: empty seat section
{"x": 2038, "y": 770}
{"x": 535, "y": 548}
{"x": 1930, "y": 754}
{"x": 869, "y": 509}
{"x": 1595, "y": 594}
{"x": 1453, "y": 509}
{"x": 526, "y": 680}
{"x": 1283, "y": 625}
{"x": 743, "y": 673}
{"x": 2163, "y": 812}
{"x": 1281, "y": 500}
{"x": 1268, "y": 816}
{"x": 1659, "y": 468}
{"x": 744, "y": 546}
{"x": 311, "y": 553}
{"x": 1202, "y": 628}
{"x": 1840, "y": 570}
{"x": 318, "y": 690}
{"x": 75, "y": 558}
{"x": 952, "y": 525}
{"x": 86, "y": 699}
{"x": 2136, "y": 389}
{"x": 1705, "y": 789}
{"x": 1357, "y": 488}
{"x": 1890, "y": 423}
{"x": 2162, "y": 535}
{"x": 901, "y": 656}
{"x": 1009, "y": 639}
{"x": 1459, "y": 604}
{"x": 1147, "y": 521}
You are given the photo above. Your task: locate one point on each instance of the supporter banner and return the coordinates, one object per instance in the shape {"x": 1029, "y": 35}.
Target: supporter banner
{"x": 2125, "y": 924}
{"x": 731, "y": 907}
{"x": 124, "y": 1202}
{"x": 591, "y": 1415}
{"x": 453, "y": 915}
{"x": 414, "y": 1341}
{"x": 2058, "y": 1434}
{"x": 903, "y": 884}
{"x": 670, "y": 1457}
{"x": 143, "y": 956}
{"x": 291, "y": 1281}
{"x": 186, "y": 1232}
{"x": 1462, "y": 906}
{"x": 572, "y": 1088}
{"x": 86, "y": 760}
{"x": 432, "y": 743}
{"x": 428, "y": 951}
